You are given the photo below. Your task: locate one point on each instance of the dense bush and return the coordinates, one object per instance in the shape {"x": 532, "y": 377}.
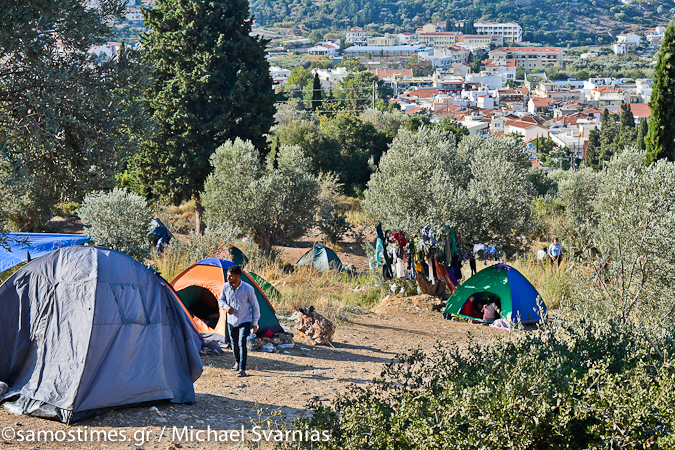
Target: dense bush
{"x": 575, "y": 384}
{"x": 119, "y": 220}
{"x": 26, "y": 201}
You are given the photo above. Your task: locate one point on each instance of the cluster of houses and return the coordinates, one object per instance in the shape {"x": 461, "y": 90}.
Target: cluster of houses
{"x": 629, "y": 42}
{"x": 564, "y": 111}
{"x": 487, "y": 103}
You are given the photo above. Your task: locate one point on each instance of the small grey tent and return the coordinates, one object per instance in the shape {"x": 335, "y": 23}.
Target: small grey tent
{"x": 85, "y": 329}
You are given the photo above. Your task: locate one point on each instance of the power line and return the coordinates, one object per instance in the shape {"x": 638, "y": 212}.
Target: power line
{"x": 337, "y": 89}
{"x": 325, "y": 100}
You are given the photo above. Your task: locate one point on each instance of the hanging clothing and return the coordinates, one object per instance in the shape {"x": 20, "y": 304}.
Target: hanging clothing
{"x": 379, "y": 251}
{"x": 386, "y": 267}
{"x": 456, "y": 267}
{"x": 445, "y": 276}
{"x": 477, "y": 248}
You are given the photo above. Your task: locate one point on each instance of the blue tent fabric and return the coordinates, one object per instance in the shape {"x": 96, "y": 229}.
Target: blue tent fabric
{"x": 85, "y": 329}
{"x": 525, "y": 298}
{"x": 37, "y": 244}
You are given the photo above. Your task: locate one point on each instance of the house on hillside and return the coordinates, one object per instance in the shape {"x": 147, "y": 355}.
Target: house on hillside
{"x": 630, "y": 40}
{"x": 537, "y": 105}
{"x": 357, "y": 35}
{"x": 505, "y": 68}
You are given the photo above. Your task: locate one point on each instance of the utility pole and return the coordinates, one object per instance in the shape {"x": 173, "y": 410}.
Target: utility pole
{"x": 374, "y": 86}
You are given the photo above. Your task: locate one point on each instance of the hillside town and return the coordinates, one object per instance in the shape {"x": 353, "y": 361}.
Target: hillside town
{"x": 492, "y": 101}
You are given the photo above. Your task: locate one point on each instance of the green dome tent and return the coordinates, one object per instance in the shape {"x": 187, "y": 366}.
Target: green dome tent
{"x": 322, "y": 258}
{"x": 237, "y": 256}
{"x": 518, "y": 298}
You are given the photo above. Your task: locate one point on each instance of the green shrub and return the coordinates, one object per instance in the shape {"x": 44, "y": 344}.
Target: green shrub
{"x": 118, "y": 219}
{"x": 574, "y": 385}
{"x": 68, "y": 209}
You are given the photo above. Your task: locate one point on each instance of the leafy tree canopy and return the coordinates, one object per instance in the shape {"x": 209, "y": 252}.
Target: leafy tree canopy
{"x": 211, "y": 84}
{"x": 66, "y": 119}
{"x": 273, "y": 202}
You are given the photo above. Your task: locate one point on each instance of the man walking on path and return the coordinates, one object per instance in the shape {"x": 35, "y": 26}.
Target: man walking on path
{"x": 243, "y": 312}
{"x": 555, "y": 252}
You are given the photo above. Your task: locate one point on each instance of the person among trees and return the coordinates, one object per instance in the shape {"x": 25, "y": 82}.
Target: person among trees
{"x": 555, "y": 252}
{"x": 243, "y": 312}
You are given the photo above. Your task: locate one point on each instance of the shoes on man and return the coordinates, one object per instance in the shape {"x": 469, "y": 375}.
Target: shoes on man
{"x": 241, "y": 374}
{"x": 235, "y": 367}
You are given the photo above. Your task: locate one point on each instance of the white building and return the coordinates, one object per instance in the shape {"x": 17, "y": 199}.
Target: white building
{"x": 330, "y": 77}
{"x": 324, "y": 49}
{"x": 445, "y": 57}
{"x": 630, "y": 40}
{"x": 279, "y": 75}
{"x": 133, "y": 15}
{"x": 110, "y": 49}
{"x": 405, "y": 38}
{"x": 357, "y": 35}
{"x": 486, "y": 80}
{"x": 511, "y": 32}
{"x": 619, "y": 49}
{"x": 505, "y": 68}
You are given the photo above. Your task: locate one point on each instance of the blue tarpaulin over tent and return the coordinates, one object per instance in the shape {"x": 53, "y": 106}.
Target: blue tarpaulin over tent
{"x": 37, "y": 244}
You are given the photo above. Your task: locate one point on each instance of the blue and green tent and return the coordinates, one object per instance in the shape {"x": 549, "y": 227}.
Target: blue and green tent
{"x": 519, "y": 300}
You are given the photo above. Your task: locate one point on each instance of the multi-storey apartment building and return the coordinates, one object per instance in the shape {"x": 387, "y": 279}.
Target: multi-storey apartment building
{"x": 529, "y": 57}
{"x": 511, "y": 32}
{"x": 448, "y": 38}
{"x": 357, "y": 35}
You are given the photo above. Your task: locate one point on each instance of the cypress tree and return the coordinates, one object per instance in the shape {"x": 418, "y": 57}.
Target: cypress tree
{"x": 608, "y": 137}
{"x": 643, "y": 129}
{"x": 660, "y": 140}
{"x": 316, "y": 93}
{"x": 626, "y": 118}
{"x": 592, "y": 156}
{"x": 211, "y": 84}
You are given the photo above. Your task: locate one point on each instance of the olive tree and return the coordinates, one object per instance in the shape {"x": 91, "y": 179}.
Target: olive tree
{"x": 636, "y": 236}
{"x": 577, "y": 192}
{"x": 273, "y": 202}
{"x": 481, "y": 189}
{"x": 415, "y": 181}
{"x": 118, "y": 219}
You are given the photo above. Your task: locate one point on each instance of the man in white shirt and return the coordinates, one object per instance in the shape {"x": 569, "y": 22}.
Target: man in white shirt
{"x": 243, "y": 312}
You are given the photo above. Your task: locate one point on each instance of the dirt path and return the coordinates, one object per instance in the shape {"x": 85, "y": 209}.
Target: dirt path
{"x": 279, "y": 382}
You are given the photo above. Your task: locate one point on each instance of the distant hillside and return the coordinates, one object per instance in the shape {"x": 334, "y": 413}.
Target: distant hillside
{"x": 554, "y": 22}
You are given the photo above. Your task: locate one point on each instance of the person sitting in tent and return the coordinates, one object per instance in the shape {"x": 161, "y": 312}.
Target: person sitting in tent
{"x": 243, "y": 312}
{"x": 490, "y": 309}
{"x": 471, "y": 308}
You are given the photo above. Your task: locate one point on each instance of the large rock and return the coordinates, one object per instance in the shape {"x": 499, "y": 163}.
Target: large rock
{"x": 315, "y": 327}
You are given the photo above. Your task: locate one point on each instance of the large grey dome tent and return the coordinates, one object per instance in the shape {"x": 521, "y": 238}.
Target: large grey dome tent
{"x": 84, "y": 329}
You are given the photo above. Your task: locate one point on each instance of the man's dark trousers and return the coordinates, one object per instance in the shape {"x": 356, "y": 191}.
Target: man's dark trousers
{"x": 238, "y": 337}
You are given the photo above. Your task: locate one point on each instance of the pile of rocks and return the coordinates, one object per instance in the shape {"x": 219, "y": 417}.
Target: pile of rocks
{"x": 315, "y": 327}
{"x": 278, "y": 341}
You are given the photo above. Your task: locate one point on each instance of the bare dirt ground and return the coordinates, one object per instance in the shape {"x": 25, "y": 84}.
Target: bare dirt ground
{"x": 282, "y": 382}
